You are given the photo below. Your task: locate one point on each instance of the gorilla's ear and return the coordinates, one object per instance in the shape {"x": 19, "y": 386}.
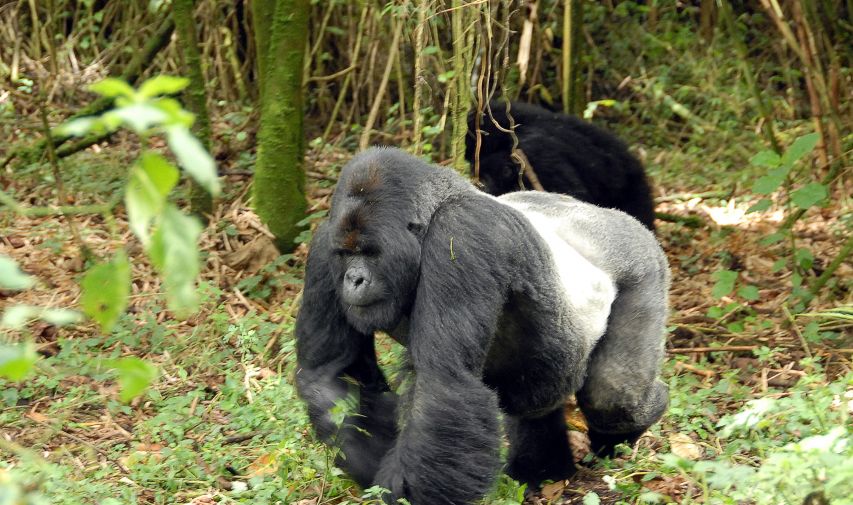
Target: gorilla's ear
{"x": 417, "y": 229}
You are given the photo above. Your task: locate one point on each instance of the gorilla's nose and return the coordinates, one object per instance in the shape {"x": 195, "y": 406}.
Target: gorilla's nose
{"x": 357, "y": 286}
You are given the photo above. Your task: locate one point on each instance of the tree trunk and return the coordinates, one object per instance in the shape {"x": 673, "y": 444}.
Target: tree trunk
{"x": 281, "y": 32}
{"x": 572, "y": 87}
{"x": 461, "y": 20}
{"x": 195, "y": 95}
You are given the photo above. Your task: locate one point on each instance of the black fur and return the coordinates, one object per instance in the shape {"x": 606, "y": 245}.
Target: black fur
{"x": 569, "y": 156}
{"x": 483, "y": 312}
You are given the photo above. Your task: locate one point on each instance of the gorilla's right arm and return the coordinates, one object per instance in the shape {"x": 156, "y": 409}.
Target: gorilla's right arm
{"x": 336, "y": 362}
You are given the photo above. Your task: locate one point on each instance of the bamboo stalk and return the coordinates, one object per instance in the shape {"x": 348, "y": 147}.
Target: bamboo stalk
{"x": 383, "y": 84}
{"x": 422, "y": 6}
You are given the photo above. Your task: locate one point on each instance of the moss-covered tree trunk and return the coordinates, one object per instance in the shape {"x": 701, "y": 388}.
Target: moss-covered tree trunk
{"x": 281, "y": 32}
{"x": 572, "y": 85}
{"x": 195, "y": 95}
{"x": 461, "y": 20}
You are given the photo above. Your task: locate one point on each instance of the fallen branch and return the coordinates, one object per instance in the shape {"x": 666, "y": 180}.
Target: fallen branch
{"x": 688, "y": 221}
{"x": 722, "y": 348}
{"x": 690, "y": 196}
{"x": 698, "y": 371}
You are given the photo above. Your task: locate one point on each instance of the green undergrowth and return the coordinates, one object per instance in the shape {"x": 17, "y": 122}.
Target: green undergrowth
{"x": 223, "y": 420}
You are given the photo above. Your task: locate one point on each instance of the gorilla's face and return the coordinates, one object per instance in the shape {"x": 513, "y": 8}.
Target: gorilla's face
{"x": 377, "y": 280}
{"x": 376, "y": 263}
{"x": 499, "y": 174}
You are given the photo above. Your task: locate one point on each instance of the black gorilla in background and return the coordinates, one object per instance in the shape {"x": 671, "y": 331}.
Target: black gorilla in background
{"x": 569, "y": 156}
{"x": 504, "y": 304}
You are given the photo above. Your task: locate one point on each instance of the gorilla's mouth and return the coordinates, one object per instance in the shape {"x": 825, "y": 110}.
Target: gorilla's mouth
{"x": 361, "y": 305}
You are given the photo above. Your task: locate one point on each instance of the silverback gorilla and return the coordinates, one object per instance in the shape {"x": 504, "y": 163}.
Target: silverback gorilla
{"x": 569, "y": 156}
{"x": 504, "y": 304}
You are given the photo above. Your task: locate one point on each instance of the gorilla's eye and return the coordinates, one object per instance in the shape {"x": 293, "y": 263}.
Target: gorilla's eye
{"x": 369, "y": 251}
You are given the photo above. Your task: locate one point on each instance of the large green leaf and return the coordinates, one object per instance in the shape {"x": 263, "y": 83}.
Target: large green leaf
{"x": 138, "y": 116}
{"x": 767, "y": 159}
{"x": 174, "y": 252}
{"x": 772, "y": 181}
{"x": 18, "y": 316}
{"x": 809, "y": 195}
{"x": 162, "y": 85}
{"x": 16, "y": 361}
{"x": 193, "y": 157}
{"x": 767, "y": 184}
{"x": 760, "y": 206}
{"x": 801, "y": 147}
{"x": 134, "y": 376}
{"x": 11, "y": 276}
{"x": 79, "y": 127}
{"x": 150, "y": 182}
{"x": 112, "y": 87}
{"x": 106, "y": 288}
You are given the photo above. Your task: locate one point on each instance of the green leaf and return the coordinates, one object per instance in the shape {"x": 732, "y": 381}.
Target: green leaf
{"x": 804, "y": 257}
{"x": 16, "y": 361}
{"x": 175, "y": 112}
{"x": 767, "y": 159}
{"x": 106, "y": 288}
{"x": 767, "y": 184}
{"x": 162, "y": 85}
{"x": 725, "y": 283}
{"x": 11, "y": 276}
{"x": 79, "y": 127}
{"x": 139, "y": 117}
{"x": 773, "y": 238}
{"x": 18, "y": 316}
{"x": 174, "y": 252}
{"x": 778, "y": 265}
{"x": 760, "y": 206}
{"x": 145, "y": 196}
{"x": 193, "y": 158}
{"x": 749, "y": 293}
{"x": 446, "y": 76}
{"x": 809, "y": 195}
{"x": 801, "y": 147}
{"x": 796, "y": 279}
{"x": 112, "y": 87}
{"x": 134, "y": 376}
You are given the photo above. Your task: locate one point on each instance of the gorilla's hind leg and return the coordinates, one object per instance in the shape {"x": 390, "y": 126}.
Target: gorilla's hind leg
{"x": 622, "y": 395}
{"x": 539, "y": 449}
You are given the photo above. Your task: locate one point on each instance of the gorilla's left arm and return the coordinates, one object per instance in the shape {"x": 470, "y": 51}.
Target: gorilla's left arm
{"x": 448, "y": 447}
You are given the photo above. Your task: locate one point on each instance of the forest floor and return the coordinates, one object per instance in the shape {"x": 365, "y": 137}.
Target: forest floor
{"x": 222, "y": 423}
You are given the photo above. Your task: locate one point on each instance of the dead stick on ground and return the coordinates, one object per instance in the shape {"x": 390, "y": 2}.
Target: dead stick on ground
{"x": 722, "y": 348}
{"x": 698, "y": 371}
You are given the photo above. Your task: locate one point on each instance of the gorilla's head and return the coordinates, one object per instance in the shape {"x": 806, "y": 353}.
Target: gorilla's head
{"x": 376, "y": 248}
{"x": 498, "y": 173}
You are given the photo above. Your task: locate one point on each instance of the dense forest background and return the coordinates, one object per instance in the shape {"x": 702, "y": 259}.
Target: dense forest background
{"x": 146, "y": 350}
